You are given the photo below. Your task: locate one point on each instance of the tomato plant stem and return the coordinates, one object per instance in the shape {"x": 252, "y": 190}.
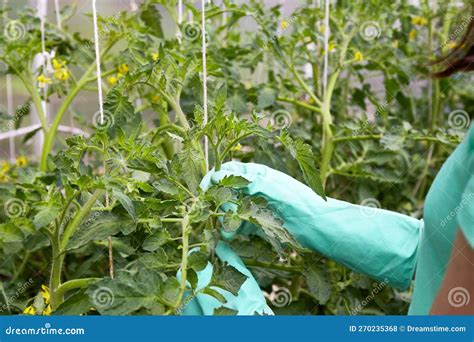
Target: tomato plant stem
{"x": 59, "y": 244}
{"x": 50, "y": 135}
{"x": 74, "y": 284}
{"x": 184, "y": 259}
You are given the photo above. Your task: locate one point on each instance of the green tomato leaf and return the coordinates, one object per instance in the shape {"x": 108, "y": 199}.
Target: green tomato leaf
{"x": 304, "y": 156}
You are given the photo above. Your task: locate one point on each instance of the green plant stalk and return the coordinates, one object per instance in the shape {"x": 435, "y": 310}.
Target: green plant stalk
{"x": 34, "y": 96}
{"x": 74, "y": 284}
{"x": 328, "y": 139}
{"x": 50, "y": 134}
{"x": 300, "y": 104}
{"x": 59, "y": 245}
{"x": 184, "y": 259}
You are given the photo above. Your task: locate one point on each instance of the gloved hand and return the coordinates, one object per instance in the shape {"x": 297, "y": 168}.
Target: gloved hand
{"x": 250, "y": 299}
{"x": 376, "y": 242}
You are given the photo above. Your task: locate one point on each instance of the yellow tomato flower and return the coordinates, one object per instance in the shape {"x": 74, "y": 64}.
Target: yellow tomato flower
{"x": 47, "y": 311}
{"x": 284, "y": 24}
{"x": 3, "y": 178}
{"x": 112, "y": 80}
{"x": 420, "y": 21}
{"x": 453, "y": 45}
{"x": 5, "y": 167}
{"x": 358, "y": 56}
{"x": 331, "y": 46}
{"x": 237, "y": 147}
{"x": 61, "y": 74}
{"x": 57, "y": 64}
{"x": 21, "y": 161}
{"x": 155, "y": 56}
{"x": 123, "y": 68}
{"x": 45, "y": 293}
{"x": 43, "y": 80}
{"x": 412, "y": 35}
{"x": 30, "y": 310}
{"x": 155, "y": 98}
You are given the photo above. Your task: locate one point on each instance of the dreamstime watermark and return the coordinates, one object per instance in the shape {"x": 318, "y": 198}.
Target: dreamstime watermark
{"x": 464, "y": 201}
{"x": 191, "y": 31}
{"x": 280, "y": 296}
{"x": 458, "y": 119}
{"x": 458, "y": 297}
{"x": 368, "y": 205}
{"x": 103, "y": 122}
{"x": 378, "y": 287}
{"x": 21, "y": 288}
{"x": 366, "y": 123}
{"x": 285, "y": 24}
{"x": 20, "y": 112}
{"x": 281, "y": 119}
{"x": 370, "y": 30}
{"x": 14, "y": 208}
{"x": 46, "y": 330}
{"x": 103, "y": 297}
{"x": 460, "y": 29}
{"x": 14, "y": 30}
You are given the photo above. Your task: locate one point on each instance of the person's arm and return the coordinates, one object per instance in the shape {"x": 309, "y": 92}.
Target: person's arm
{"x": 454, "y": 296}
{"x": 377, "y": 242}
{"x": 456, "y": 293}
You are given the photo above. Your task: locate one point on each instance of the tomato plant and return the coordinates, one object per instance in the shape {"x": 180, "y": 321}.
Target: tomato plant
{"x": 115, "y": 212}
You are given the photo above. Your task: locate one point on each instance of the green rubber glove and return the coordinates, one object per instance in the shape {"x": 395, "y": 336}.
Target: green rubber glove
{"x": 249, "y": 301}
{"x": 380, "y": 243}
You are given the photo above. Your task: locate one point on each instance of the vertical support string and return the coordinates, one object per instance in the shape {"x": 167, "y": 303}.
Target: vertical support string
{"x": 204, "y": 79}
{"x": 97, "y": 61}
{"x": 10, "y": 112}
{"x": 42, "y": 10}
{"x": 101, "y": 111}
{"x": 58, "y": 14}
{"x": 8, "y": 81}
{"x": 179, "y": 34}
{"x": 326, "y": 47}
{"x": 180, "y": 11}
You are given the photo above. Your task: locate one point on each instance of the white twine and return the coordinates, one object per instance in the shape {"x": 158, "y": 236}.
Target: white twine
{"x": 180, "y": 12}
{"x": 97, "y": 60}
{"x": 42, "y": 11}
{"x": 133, "y": 5}
{"x": 10, "y": 112}
{"x": 204, "y": 79}
{"x": 58, "y": 13}
{"x": 179, "y": 34}
{"x": 326, "y": 46}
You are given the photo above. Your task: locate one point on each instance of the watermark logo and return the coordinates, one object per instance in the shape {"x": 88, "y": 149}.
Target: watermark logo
{"x": 191, "y": 31}
{"x": 14, "y": 30}
{"x": 103, "y": 297}
{"x": 281, "y": 119}
{"x": 367, "y": 205}
{"x": 458, "y": 119}
{"x": 377, "y": 287}
{"x": 458, "y": 297}
{"x": 14, "y": 208}
{"x": 103, "y": 122}
{"x": 370, "y": 30}
{"x": 280, "y": 297}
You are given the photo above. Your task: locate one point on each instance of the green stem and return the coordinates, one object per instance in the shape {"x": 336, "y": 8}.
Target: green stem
{"x": 50, "y": 135}
{"x": 184, "y": 260}
{"x": 80, "y": 215}
{"x": 328, "y": 143}
{"x": 300, "y": 104}
{"x": 59, "y": 245}
{"x": 74, "y": 284}
{"x": 271, "y": 265}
